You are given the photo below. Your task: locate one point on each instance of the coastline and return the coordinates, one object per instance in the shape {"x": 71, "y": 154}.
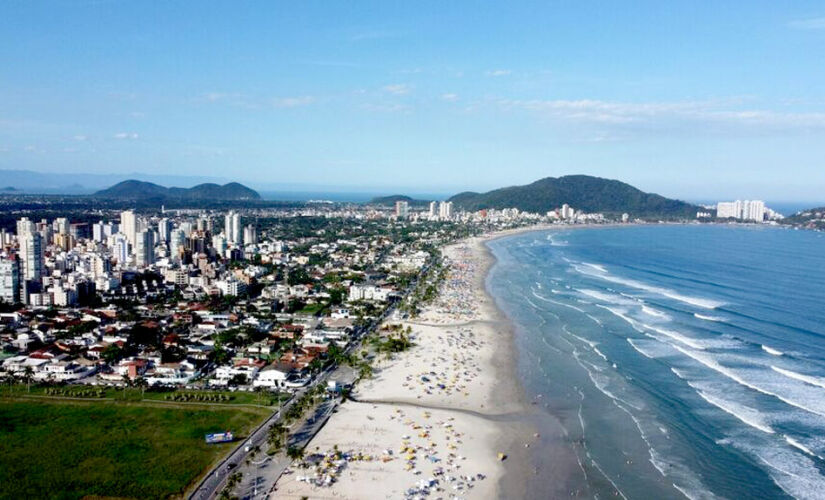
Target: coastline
{"x": 450, "y": 413}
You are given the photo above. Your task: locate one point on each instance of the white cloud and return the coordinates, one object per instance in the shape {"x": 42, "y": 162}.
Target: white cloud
{"x": 498, "y": 72}
{"x": 652, "y": 116}
{"x": 80, "y": 137}
{"x": 816, "y": 23}
{"x": 449, "y": 97}
{"x": 397, "y": 89}
{"x": 388, "y": 108}
{"x": 126, "y": 135}
{"x": 292, "y": 102}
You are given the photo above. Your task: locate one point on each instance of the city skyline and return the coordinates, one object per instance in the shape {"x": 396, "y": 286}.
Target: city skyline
{"x": 686, "y": 102}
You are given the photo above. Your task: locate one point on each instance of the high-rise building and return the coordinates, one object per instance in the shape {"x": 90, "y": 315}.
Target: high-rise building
{"x": 250, "y": 235}
{"x": 98, "y": 232}
{"x": 176, "y": 242}
{"x": 751, "y": 210}
{"x": 120, "y": 250}
{"x": 31, "y": 256}
{"x": 232, "y": 228}
{"x": 236, "y": 229}
{"x": 24, "y": 226}
{"x": 402, "y": 209}
{"x": 145, "y": 248}
{"x": 129, "y": 226}
{"x": 165, "y": 230}
{"x": 101, "y": 266}
{"x": 10, "y": 281}
{"x": 433, "y": 209}
{"x": 445, "y": 210}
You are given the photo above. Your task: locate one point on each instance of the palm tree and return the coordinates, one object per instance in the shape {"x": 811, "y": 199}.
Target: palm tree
{"x": 276, "y": 435}
{"x": 28, "y": 375}
{"x": 295, "y": 453}
{"x": 142, "y": 383}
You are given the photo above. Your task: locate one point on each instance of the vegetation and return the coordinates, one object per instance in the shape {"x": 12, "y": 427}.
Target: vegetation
{"x": 582, "y": 192}
{"x": 77, "y": 449}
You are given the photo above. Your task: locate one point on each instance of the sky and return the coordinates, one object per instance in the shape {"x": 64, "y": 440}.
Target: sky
{"x": 696, "y": 100}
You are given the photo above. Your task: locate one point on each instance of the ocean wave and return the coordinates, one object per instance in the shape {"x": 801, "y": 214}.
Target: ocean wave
{"x": 796, "y": 444}
{"x": 665, "y": 292}
{"x": 678, "y": 337}
{"x": 640, "y": 350}
{"x": 597, "y": 267}
{"x": 812, "y": 404}
{"x": 808, "y": 379}
{"x": 771, "y": 350}
{"x": 708, "y": 318}
{"x": 746, "y": 414}
{"x": 653, "y": 312}
{"x": 605, "y": 297}
{"x": 536, "y": 295}
{"x": 554, "y": 242}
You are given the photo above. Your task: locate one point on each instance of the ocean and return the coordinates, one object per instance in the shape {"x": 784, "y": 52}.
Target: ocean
{"x": 682, "y": 361}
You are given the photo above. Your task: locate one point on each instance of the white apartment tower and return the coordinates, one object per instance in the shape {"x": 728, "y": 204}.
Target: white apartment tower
{"x": 145, "y": 248}
{"x": 232, "y": 227}
{"x": 129, "y": 226}
{"x": 10, "y": 281}
{"x": 165, "y": 230}
{"x": 250, "y": 235}
{"x": 31, "y": 256}
{"x": 445, "y": 210}
{"x": 433, "y": 209}
{"x": 402, "y": 209}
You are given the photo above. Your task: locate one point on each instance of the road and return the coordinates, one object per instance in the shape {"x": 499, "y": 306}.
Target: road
{"x": 259, "y": 476}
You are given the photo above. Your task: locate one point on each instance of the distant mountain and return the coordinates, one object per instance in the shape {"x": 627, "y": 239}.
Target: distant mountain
{"x": 582, "y": 192}
{"x": 78, "y": 183}
{"x": 390, "y": 200}
{"x": 140, "y": 190}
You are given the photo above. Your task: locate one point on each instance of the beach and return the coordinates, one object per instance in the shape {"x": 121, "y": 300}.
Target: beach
{"x": 445, "y": 418}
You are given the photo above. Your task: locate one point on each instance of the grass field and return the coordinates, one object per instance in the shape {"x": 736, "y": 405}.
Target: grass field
{"x": 132, "y": 394}
{"x": 64, "y": 449}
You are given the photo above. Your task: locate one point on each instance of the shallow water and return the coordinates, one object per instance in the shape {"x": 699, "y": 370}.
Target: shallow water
{"x": 681, "y": 360}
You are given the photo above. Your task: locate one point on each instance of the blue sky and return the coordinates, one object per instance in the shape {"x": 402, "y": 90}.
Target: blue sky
{"x": 699, "y": 100}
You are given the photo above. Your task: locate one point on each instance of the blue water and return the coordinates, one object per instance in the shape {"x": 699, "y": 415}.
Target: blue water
{"x": 682, "y": 361}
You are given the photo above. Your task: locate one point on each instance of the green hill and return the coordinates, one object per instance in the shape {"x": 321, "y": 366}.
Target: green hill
{"x": 139, "y": 190}
{"x": 390, "y": 200}
{"x": 582, "y": 192}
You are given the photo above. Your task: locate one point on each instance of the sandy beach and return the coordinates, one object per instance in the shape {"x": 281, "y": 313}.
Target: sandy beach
{"x": 444, "y": 419}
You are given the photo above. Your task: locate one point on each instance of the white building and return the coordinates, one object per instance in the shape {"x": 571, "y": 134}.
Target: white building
{"x": 10, "y": 281}
{"x": 129, "y": 226}
{"x": 402, "y": 209}
{"x": 749, "y": 210}
{"x": 31, "y": 255}
{"x": 445, "y": 210}
{"x": 145, "y": 248}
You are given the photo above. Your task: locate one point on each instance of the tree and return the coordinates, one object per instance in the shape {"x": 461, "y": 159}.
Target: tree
{"x": 276, "y": 434}
{"x": 295, "y": 453}
{"x": 112, "y": 353}
{"x": 28, "y": 376}
{"x": 142, "y": 383}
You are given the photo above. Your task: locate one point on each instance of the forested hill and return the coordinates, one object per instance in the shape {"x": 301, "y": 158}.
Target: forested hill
{"x": 139, "y": 190}
{"x": 582, "y": 192}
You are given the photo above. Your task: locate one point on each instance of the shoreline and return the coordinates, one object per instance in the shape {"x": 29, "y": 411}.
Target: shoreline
{"x": 451, "y": 412}
{"x": 550, "y": 468}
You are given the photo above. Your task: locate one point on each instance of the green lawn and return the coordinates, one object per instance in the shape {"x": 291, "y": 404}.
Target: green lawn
{"x": 101, "y": 448}
{"x": 265, "y": 398}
